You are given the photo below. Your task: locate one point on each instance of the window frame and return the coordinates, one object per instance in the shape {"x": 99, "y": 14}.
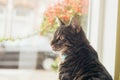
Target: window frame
{"x": 102, "y": 30}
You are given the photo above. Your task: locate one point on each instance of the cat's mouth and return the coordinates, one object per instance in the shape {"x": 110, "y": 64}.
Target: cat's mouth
{"x": 56, "y": 49}
{"x": 61, "y": 50}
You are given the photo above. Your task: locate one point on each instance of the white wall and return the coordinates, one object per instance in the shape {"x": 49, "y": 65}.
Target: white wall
{"x": 109, "y": 37}
{"x": 103, "y": 23}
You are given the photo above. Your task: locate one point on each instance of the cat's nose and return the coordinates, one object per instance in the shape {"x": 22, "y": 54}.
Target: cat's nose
{"x": 52, "y": 46}
{"x": 52, "y": 43}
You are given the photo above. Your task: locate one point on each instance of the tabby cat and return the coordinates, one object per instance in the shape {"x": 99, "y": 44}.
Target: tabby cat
{"x": 80, "y": 60}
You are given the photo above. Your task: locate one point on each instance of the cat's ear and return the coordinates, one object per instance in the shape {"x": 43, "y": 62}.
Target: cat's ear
{"x": 59, "y": 21}
{"x": 75, "y": 23}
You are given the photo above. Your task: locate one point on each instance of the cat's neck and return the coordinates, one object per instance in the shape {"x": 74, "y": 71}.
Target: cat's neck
{"x": 71, "y": 51}
{"x": 74, "y": 49}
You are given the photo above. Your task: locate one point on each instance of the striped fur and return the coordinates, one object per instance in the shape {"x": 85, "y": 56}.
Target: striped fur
{"x": 82, "y": 62}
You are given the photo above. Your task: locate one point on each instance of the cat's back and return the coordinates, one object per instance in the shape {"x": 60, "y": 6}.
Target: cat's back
{"x": 90, "y": 67}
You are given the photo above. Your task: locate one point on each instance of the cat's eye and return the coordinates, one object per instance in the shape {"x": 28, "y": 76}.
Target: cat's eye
{"x": 62, "y": 38}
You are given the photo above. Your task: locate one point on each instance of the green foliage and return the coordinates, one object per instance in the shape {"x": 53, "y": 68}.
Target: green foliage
{"x": 2, "y": 39}
{"x": 47, "y": 28}
{"x": 55, "y": 65}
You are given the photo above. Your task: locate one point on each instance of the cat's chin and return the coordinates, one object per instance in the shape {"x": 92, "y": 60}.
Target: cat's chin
{"x": 59, "y": 51}
{"x": 63, "y": 51}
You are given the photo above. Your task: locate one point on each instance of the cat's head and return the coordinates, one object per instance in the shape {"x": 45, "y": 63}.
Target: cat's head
{"x": 68, "y": 36}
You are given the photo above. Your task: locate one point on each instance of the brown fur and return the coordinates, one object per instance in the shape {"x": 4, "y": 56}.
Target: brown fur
{"x": 82, "y": 61}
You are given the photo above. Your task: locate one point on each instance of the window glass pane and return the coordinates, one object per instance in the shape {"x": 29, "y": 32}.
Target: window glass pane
{"x": 3, "y": 17}
{"x": 25, "y": 33}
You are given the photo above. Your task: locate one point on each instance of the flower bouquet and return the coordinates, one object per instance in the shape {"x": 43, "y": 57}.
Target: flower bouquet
{"x": 64, "y": 10}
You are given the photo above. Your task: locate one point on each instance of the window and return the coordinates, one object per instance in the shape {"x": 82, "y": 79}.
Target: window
{"x": 3, "y": 18}
{"x": 19, "y": 18}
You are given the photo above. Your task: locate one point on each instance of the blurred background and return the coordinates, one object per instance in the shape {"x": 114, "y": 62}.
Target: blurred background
{"x": 24, "y": 53}
{"x": 27, "y": 27}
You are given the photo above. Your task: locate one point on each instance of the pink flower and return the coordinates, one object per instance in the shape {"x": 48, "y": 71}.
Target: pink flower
{"x": 64, "y": 10}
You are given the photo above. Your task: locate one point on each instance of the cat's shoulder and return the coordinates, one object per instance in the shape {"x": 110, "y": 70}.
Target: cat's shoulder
{"x": 88, "y": 50}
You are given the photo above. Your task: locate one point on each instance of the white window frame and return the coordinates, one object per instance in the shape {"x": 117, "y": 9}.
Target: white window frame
{"x": 102, "y": 30}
